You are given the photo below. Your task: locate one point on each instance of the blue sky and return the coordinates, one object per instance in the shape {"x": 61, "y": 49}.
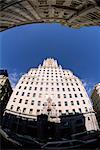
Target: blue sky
{"x": 24, "y": 47}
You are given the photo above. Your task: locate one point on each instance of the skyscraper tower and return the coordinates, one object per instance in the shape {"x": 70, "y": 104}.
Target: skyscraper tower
{"x": 53, "y": 91}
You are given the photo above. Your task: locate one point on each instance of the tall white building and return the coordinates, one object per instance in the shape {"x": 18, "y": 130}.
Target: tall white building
{"x": 51, "y": 90}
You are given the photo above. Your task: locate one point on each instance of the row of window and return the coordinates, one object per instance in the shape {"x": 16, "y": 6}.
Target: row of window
{"x": 38, "y": 110}
{"x": 46, "y": 79}
{"x": 46, "y": 88}
{"x": 50, "y": 70}
{"x": 72, "y": 84}
{"x": 39, "y": 102}
{"x": 49, "y": 73}
{"x": 58, "y": 95}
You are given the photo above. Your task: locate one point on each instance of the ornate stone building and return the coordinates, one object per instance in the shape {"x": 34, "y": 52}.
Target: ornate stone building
{"x": 73, "y": 13}
{"x": 96, "y": 100}
{"x": 53, "y": 91}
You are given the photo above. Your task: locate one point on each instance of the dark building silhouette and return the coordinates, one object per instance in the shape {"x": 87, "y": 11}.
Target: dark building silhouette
{"x": 5, "y": 91}
{"x": 42, "y": 129}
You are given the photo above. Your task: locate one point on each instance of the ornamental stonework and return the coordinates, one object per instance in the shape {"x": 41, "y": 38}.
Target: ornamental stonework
{"x": 72, "y": 13}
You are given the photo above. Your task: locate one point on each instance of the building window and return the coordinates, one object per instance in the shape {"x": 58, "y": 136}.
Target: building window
{"x": 34, "y": 94}
{"x": 35, "y": 88}
{"x": 80, "y": 110}
{"x": 58, "y": 95}
{"x": 38, "y": 111}
{"x": 67, "y": 84}
{"x": 30, "y": 88}
{"x": 24, "y": 110}
{"x": 17, "y": 93}
{"x": 64, "y": 95}
{"x": 26, "y": 82}
{"x": 81, "y": 95}
{"x": 83, "y": 101}
{"x": 72, "y": 84}
{"x": 66, "y": 104}
{"x": 70, "y": 95}
{"x": 46, "y": 89}
{"x": 26, "y": 101}
{"x": 28, "y": 94}
{"x": 14, "y": 99}
{"x": 75, "y": 95}
{"x": 73, "y": 111}
{"x": 72, "y": 103}
{"x": 20, "y": 100}
{"x": 63, "y": 89}
{"x": 52, "y": 89}
{"x": 19, "y": 87}
{"x": 23, "y": 94}
{"x": 11, "y": 107}
{"x": 88, "y": 118}
{"x": 40, "y": 95}
{"x": 60, "y": 111}
{"x": 77, "y": 84}
{"x": 68, "y": 89}
{"x": 79, "y": 89}
{"x": 41, "y": 88}
{"x": 77, "y": 102}
{"x": 86, "y": 109}
{"x": 39, "y": 103}
{"x": 32, "y": 102}
{"x": 30, "y": 112}
{"x": 25, "y": 87}
{"x": 59, "y": 103}
{"x": 31, "y": 82}
{"x": 73, "y": 89}
{"x": 57, "y": 89}
{"x": 62, "y": 83}
{"x": 18, "y": 109}
{"x": 67, "y": 111}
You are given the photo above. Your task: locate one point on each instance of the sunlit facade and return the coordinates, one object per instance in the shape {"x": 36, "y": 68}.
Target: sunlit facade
{"x": 53, "y": 91}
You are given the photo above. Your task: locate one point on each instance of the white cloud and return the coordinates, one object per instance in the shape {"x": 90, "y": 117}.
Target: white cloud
{"x": 13, "y": 77}
{"x": 88, "y": 86}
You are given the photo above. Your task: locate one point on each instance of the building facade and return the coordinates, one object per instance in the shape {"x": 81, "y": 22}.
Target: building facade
{"x": 53, "y": 91}
{"x": 5, "y": 91}
{"x": 96, "y": 101}
{"x": 72, "y": 13}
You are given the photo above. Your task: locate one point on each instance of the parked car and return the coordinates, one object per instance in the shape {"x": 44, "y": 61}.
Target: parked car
{"x": 63, "y": 145}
